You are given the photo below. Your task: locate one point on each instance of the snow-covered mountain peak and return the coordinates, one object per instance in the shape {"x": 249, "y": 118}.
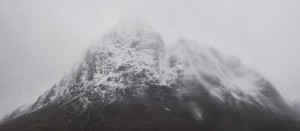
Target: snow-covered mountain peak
{"x": 131, "y": 61}
{"x": 133, "y": 33}
{"x": 220, "y": 74}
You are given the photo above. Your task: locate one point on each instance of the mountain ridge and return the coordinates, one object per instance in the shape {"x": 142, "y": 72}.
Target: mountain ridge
{"x": 131, "y": 71}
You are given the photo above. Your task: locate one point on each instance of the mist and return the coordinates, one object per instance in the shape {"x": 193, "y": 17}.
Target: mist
{"x": 41, "y": 40}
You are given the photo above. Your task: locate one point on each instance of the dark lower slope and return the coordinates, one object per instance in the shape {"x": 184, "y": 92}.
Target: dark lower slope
{"x": 158, "y": 110}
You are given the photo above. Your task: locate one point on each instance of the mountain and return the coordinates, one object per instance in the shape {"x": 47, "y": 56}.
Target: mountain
{"x": 132, "y": 80}
{"x": 296, "y": 107}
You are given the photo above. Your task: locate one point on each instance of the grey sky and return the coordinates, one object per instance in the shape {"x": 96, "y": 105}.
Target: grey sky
{"x": 41, "y": 40}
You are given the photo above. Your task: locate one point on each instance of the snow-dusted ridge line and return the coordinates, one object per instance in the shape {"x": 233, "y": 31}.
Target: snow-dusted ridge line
{"x": 132, "y": 54}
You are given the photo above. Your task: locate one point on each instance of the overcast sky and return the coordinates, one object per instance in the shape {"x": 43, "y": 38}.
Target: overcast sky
{"x": 41, "y": 40}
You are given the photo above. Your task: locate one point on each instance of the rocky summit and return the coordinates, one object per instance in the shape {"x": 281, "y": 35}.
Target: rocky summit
{"x": 130, "y": 80}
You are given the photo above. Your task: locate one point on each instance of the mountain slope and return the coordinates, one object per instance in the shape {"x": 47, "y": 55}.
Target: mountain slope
{"x": 131, "y": 80}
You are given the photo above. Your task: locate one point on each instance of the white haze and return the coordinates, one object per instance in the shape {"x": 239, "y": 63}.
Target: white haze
{"x": 41, "y": 40}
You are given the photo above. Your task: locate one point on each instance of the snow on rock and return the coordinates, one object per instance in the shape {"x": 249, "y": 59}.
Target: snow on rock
{"x": 132, "y": 54}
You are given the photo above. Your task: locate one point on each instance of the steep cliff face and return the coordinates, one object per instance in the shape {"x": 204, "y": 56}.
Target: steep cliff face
{"x": 131, "y": 81}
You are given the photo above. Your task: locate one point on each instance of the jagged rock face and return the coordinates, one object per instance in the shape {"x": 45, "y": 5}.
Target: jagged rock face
{"x": 131, "y": 81}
